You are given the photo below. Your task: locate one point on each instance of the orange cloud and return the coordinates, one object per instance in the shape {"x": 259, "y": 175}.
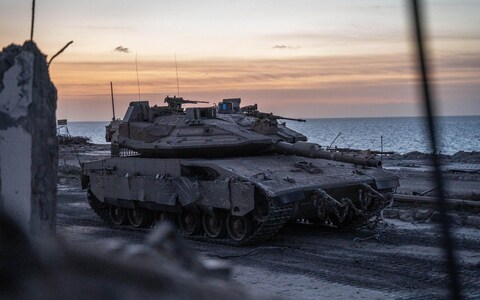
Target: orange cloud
{"x": 306, "y": 86}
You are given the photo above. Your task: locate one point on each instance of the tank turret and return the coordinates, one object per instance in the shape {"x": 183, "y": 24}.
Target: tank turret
{"x": 216, "y": 131}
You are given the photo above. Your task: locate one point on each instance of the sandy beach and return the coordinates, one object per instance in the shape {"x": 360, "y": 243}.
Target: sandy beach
{"x": 400, "y": 258}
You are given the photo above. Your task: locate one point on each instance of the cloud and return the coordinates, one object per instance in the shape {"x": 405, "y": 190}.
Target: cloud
{"x": 284, "y": 47}
{"x": 335, "y": 81}
{"x": 122, "y": 49}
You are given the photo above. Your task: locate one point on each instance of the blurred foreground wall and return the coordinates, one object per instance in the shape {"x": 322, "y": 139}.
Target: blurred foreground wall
{"x": 28, "y": 150}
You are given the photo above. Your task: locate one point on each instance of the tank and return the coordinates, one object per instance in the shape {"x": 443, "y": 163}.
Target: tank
{"x": 228, "y": 174}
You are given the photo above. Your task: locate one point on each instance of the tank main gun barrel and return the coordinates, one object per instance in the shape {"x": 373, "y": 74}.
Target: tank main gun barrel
{"x": 313, "y": 150}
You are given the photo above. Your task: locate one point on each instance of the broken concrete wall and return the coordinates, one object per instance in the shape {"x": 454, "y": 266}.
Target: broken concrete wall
{"x": 28, "y": 149}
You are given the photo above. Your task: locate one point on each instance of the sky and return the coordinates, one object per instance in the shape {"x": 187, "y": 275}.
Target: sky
{"x": 301, "y": 58}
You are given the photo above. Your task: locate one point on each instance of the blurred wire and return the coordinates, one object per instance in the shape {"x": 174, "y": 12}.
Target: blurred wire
{"x": 428, "y": 103}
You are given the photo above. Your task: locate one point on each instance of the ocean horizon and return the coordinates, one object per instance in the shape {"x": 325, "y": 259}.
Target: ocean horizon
{"x": 400, "y": 134}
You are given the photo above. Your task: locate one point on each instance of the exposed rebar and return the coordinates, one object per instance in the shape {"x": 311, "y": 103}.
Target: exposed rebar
{"x": 33, "y": 20}
{"x": 59, "y": 52}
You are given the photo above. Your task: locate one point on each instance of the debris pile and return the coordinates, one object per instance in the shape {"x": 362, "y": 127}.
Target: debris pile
{"x": 161, "y": 268}
{"x": 73, "y": 140}
{"x": 469, "y": 157}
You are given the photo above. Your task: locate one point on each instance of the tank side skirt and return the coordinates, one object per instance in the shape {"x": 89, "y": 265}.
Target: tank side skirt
{"x": 241, "y": 197}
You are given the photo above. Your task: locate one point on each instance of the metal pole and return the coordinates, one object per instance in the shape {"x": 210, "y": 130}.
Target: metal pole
{"x": 138, "y": 80}
{"x": 113, "y": 102}
{"x": 329, "y": 147}
{"x": 381, "y": 146}
{"x": 176, "y": 71}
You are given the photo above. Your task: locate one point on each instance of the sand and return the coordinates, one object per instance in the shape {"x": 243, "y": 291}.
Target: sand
{"x": 396, "y": 260}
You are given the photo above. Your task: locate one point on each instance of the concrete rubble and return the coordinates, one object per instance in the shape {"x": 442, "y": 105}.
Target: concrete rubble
{"x": 28, "y": 147}
{"x": 160, "y": 268}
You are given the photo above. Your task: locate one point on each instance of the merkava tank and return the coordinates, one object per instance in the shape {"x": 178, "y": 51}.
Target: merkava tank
{"x": 227, "y": 174}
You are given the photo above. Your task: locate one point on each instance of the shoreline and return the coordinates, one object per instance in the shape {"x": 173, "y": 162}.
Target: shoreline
{"x": 316, "y": 261}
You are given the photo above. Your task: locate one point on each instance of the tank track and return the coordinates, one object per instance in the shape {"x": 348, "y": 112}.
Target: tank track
{"x": 278, "y": 216}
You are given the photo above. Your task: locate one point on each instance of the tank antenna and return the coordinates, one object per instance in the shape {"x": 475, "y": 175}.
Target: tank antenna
{"x": 176, "y": 71}
{"x": 113, "y": 102}
{"x": 138, "y": 80}
{"x": 330, "y": 147}
{"x": 33, "y": 20}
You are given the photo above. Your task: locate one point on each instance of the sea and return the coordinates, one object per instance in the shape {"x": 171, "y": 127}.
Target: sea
{"x": 399, "y": 134}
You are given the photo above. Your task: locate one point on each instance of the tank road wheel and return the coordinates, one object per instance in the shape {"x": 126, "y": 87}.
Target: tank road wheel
{"x": 214, "y": 226}
{"x": 163, "y": 216}
{"x": 138, "y": 217}
{"x": 190, "y": 223}
{"x": 239, "y": 228}
{"x": 117, "y": 215}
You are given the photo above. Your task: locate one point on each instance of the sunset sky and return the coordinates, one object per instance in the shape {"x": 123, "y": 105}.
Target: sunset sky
{"x": 296, "y": 58}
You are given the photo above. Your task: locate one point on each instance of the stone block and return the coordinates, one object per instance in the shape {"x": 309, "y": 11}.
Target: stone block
{"x": 406, "y": 215}
{"x": 422, "y": 214}
{"x": 391, "y": 213}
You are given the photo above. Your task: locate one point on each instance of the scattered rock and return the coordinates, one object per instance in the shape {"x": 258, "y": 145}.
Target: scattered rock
{"x": 461, "y": 156}
{"x": 408, "y": 165}
{"x": 435, "y": 217}
{"x": 406, "y": 215}
{"x": 422, "y": 214}
{"x": 72, "y": 140}
{"x": 415, "y": 155}
{"x": 473, "y": 221}
{"x": 454, "y": 219}
{"x": 391, "y": 213}
{"x": 467, "y": 156}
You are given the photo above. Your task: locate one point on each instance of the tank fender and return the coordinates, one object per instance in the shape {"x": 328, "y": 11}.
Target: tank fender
{"x": 241, "y": 197}
{"x": 383, "y": 180}
{"x": 187, "y": 189}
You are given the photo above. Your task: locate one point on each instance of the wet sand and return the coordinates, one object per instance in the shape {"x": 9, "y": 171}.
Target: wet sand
{"x": 396, "y": 260}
